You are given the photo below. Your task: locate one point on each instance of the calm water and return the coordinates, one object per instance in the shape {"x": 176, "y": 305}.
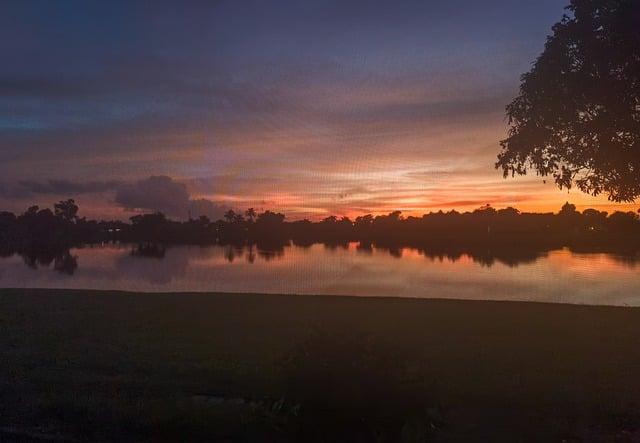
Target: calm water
{"x": 557, "y": 276}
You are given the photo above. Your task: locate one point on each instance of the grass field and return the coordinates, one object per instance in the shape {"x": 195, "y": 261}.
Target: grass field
{"x": 104, "y": 366}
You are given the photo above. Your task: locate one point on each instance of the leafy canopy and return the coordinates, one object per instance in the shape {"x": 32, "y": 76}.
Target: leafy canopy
{"x": 577, "y": 116}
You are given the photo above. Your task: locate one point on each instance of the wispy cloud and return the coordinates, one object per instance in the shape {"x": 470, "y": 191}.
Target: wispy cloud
{"x": 305, "y": 107}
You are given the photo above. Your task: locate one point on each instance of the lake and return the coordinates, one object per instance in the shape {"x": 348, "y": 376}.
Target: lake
{"x": 559, "y": 276}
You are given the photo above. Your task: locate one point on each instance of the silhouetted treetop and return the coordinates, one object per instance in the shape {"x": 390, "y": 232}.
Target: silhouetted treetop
{"x": 577, "y": 116}
{"x": 251, "y": 214}
{"x": 270, "y": 218}
{"x": 568, "y": 209}
{"x": 66, "y": 209}
{"x": 230, "y": 215}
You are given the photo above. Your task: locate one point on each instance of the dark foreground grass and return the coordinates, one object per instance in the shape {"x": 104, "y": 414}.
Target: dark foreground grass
{"x": 105, "y": 366}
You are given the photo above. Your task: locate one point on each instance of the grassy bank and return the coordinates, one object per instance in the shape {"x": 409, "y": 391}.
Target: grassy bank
{"x": 111, "y": 365}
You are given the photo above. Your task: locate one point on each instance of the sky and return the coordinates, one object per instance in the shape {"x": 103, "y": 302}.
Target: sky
{"x": 311, "y": 108}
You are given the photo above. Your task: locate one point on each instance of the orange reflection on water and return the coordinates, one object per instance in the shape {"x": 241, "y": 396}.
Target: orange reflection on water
{"x": 559, "y": 276}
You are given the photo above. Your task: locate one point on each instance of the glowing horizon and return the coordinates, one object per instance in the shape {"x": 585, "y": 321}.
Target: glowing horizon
{"x": 313, "y": 110}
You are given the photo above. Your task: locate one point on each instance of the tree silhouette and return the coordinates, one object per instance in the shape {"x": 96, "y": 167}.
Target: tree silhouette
{"x": 269, "y": 218}
{"x": 330, "y": 219}
{"x": 238, "y": 218}
{"x": 66, "y": 209}
{"x": 508, "y": 212}
{"x": 568, "y": 209}
{"x": 32, "y": 210}
{"x": 251, "y": 214}
{"x": 364, "y": 220}
{"x": 577, "y": 116}
{"x": 230, "y": 215}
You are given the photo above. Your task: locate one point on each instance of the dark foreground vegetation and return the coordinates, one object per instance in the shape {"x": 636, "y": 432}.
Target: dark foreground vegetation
{"x": 486, "y": 228}
{"x": 109, "y": 366}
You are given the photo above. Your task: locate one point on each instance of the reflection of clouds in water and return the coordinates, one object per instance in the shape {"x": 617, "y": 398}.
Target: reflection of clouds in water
{"x": 128, "y": 266}
{"x": 151, "y": 269}
{"x": 10, "y": 265}
{"x": 178, "y": 261}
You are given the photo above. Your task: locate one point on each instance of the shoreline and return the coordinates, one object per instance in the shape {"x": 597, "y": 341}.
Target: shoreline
{"x": 389, "y": 298}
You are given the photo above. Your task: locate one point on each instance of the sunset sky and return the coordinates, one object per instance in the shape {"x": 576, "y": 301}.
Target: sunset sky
{"x": 310, "y": 108}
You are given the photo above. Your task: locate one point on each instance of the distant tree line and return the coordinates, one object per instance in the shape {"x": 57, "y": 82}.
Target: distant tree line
{"x": 38, "y": 228}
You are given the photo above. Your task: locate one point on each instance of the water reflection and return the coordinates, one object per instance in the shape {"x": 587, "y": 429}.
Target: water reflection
{"x": 361, "y": 269}
{"x": 63, "y": 261}
{"x": 151, "y": 250}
